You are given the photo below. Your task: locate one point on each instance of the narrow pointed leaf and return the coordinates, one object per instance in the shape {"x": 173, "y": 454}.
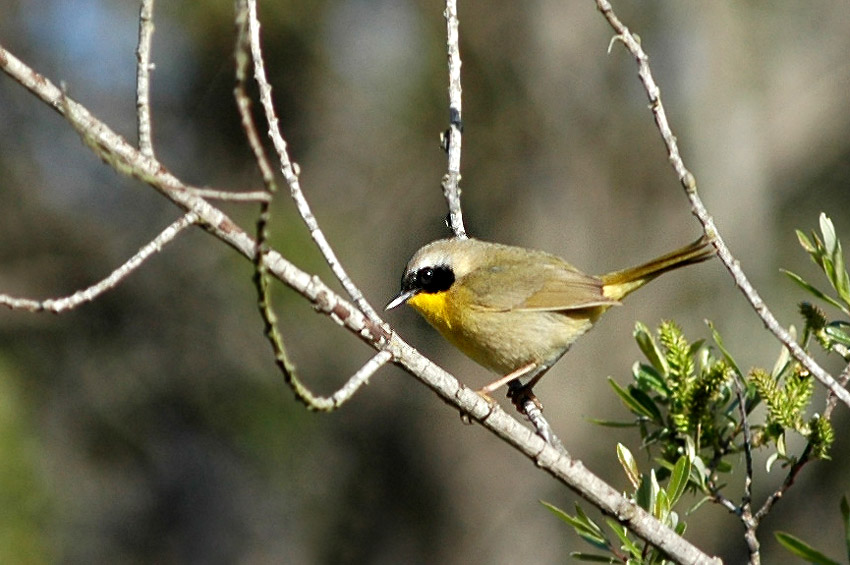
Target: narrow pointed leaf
{"x": 830, "y": 241}
{"x": 715, "y": 335}
{"x": 647, "y": 345}
{"x": 611, "y": 423}
{"x": 623, "y": 535}
{"x": 809, "y": 288}
{"x": 678, "y": 480}
{"x": 647, "y": 378}
{"x": 591, "y": 558}
{"x": 638, "y": 406}
{"x": 805, "y": 243}
{"x": 803, "y": 550}
{"x": 834, "y": 331}
{"x": 629, "y": 464}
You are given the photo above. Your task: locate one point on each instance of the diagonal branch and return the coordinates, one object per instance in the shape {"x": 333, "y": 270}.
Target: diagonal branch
{"x": 59, "y": 305}
{"x": 290, "y": 170}
{"x": 699, "y": 210}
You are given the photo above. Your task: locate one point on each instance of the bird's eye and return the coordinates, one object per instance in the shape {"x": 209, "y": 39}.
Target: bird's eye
{"x": 426, "y": 277}
{"x": 434, "y": 279}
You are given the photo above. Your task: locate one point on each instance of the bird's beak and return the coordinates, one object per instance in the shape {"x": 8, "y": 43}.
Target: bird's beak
{"x": 402, "y": 297}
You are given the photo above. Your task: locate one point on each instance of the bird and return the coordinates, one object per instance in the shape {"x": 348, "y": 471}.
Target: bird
{"x": 517, "y": 311}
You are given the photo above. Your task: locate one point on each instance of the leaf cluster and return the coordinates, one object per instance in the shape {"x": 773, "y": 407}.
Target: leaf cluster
{"x": 649, "y": 495}
{"x": 694, "y": 409}
{"x": 682, "y": 397}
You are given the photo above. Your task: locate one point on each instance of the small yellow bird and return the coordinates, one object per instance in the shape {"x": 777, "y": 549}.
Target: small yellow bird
{"x": 516, "y": 311}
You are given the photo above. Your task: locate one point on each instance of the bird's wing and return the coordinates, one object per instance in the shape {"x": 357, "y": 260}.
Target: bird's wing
{"x": 555, "y": 286}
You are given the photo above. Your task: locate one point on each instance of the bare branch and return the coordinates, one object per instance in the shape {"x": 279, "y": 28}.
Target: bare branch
{"x": 750, "y": 522}
{"x": 698, "y": 208}
{"x": 143, "y": 69}
{"x": 242, "y": 57}
{"x": 452, "y": 137}
{"x": 59, "y": 305}
{"x": 290, "y": 169}
{"x": 231, "y": 196}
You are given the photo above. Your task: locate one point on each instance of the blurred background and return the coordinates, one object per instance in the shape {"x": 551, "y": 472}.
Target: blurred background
{"x": 152, "y": 425}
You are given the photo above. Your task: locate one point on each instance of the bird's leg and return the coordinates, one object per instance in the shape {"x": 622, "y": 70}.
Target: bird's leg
{"x": 521, "y": 394}
{"x": 512, "y": 376}
{"x": 527, "y": 403}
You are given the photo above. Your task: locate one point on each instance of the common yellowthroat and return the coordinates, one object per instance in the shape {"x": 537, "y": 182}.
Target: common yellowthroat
{"x": 516, "y": 311}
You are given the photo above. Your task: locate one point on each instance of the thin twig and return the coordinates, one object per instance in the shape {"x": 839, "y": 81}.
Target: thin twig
{"x": 452, "y": 137}
{"x": 242, "y": 57}
{"x": 143, "y": 69}
{"x": 59, "y": 305}
{"x": 231, "y": 196}
{"x": 290, "y": 169}
{"x": 698, "y": 208}
{"x": 750, "y": 522}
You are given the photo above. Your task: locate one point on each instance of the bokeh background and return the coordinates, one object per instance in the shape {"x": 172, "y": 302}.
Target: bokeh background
{"x": 152, "y": 426}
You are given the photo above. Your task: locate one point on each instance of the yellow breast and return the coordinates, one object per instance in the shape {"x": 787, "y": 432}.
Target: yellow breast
{"x": 503, "y": 340}
{"x": 436, "y": 309}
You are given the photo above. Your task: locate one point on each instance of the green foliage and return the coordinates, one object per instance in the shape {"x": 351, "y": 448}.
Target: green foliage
{"x": 826, "y": 253}
{"x": 647, "y": 493}
{"x": 682, "y": 397}
{"x": 805, "y": 551}
{"x": 693, "y": 408}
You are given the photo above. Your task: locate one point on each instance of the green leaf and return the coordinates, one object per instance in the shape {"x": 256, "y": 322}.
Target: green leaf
{"x": 805, "y": 243}
{"x": 678, "y": 480}
{"x": 647, "y": 378}
{"x": 647, "y": 345}
{"x": 768, "y": 464}
{"x": 840, "y": 282}
{"x": 646, "y": 495}
{"x": 591, "y": 558}
{"x": 809, "y": 288}
{"x": 584, "y": 526}
{"x": 611, "y": 423}
{"x": 623, "y": 535}
{"x": 830, "y": 241}
{"x": 715, "y": 335}
{"x": 559, "y": 513}
{"x": 637, "y": 401}
{"x": 834, "y": 331}
{"x": 801, "y": 549}
{"x": 661, "y": 508}
{"x": 699, "y": 473}
{"x": 629, "y": 464}
{"x": 647, "y": 405}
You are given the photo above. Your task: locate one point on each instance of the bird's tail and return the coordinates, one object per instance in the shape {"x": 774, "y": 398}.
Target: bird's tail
{"x": 618, "y": 284}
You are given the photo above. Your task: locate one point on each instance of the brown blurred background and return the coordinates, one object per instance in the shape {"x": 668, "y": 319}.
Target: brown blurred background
{"x": 152, "y": 425}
